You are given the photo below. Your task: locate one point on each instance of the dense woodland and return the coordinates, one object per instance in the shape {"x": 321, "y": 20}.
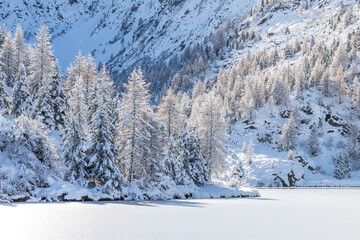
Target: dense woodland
{"x": 80, "y": 129}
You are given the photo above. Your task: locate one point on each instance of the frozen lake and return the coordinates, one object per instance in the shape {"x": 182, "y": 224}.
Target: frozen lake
{"x": 278, "y": 214}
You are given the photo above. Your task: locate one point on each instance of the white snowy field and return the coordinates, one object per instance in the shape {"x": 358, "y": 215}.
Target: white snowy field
{"x": 278, "y": 214}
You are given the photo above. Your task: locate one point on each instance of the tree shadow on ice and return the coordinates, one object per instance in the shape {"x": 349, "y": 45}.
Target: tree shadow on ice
{"x": 178, "y": 203}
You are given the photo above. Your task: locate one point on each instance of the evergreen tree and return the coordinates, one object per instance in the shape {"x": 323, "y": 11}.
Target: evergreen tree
{"x": 238, "y": 174}
{"x": 353, "y": 145}
{"x": 280, "y": 92}
{"x": 58, "y": 98}
{"x": 155, "y": 165}
{"x": 189, "y": 153}
{"x": 21, "y": 98}
{"x": 4, "y": 96}
{"x": 325, "y": 83}
{"x": 355, "y": 96}
{"x": 174, "y": 165}
{"x": 342, "y": 165}
{"x": 73, "y": 153}
{"x": 249, "y": 152}
{"x": 43, "y": 106}
{"x": 288, "y": 136}
{"x": 102, "y": 151}
{"x": 313, "y": 141}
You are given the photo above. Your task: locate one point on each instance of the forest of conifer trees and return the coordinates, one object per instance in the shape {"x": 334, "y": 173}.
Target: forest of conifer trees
{"x": 77, "y": 126}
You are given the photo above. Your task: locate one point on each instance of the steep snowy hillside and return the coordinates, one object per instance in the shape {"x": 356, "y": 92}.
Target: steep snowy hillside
{"x": 121, "y": 31}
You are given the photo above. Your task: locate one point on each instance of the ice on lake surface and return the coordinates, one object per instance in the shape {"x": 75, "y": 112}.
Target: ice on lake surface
{"x": 278, "y": 214}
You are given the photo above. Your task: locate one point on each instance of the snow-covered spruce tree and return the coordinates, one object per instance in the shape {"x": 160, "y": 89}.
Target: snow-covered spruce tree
{"x": 2, "y": 34}
{"x": 103, "y": 78}
{"x": 43, "y": 106}
{"x": 353, "y": 146}
{"x": 174, "y": 166}
{"x": 237, "y": 175}
{"x": 249, "y": 152}
{"x": 42, "y": 64}
{"x": 102, "y": 150}
{"x": 313, "y": 142}
{"x": 325, "y": 83}
{"x": 21, "y": 98}
{"x": 342, "y": 165}
{"x": 133, "y": 131}
{"x": 58, "y": 98}
{"x": 213, "y": 130}
{"x": 73, "y": 152}
{"x": 155, "y": 166}
{"x": 30, "y": 133}
{"x": 355, "y": 96}
{"x": 172, "y": 118}
{"x": 30, "y": 155}
{"x": 288, "y": 136}
{"x": 188, "y": 151}
{"x": 7, "y": 60}
{"x": 280, "y": 92}
{"x": 4, "y": 96}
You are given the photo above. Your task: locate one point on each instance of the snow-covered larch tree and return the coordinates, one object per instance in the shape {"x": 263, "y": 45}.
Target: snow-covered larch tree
{"x": 7, "y": 59}
{"x": 169, "y": 114}
{"x": 19, "y": 49}
{"x": 133, "y": 130}
{"x": 77, "y": 106}
{"x": 213, "y": 130}
{"x": 43, "y": 61}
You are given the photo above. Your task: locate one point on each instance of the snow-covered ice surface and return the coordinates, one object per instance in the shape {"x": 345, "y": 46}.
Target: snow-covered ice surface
{"x": 278, "y": 214}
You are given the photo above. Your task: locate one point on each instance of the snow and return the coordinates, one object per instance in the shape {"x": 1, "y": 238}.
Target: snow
{"x": 278, "y": 214}
{"x": 69, "y": 192}
{"x": 267, "y": 160}
{"x": 98, "y": 26}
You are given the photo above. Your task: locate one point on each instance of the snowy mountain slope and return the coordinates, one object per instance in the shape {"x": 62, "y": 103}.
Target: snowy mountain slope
{"x": 324, "y": 22}
{"x": 265, "y": 130}
{"x": 126, "y": 30}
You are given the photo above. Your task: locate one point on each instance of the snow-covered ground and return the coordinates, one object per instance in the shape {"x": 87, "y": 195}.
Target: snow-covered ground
{"x": 278, "y": 214}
